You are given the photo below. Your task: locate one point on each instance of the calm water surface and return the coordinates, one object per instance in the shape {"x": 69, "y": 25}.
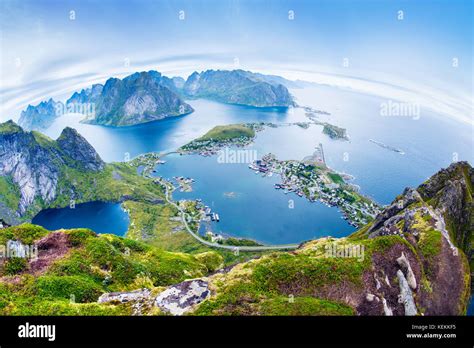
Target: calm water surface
{"x": 256, "y": 210}
{"x": 100, "y": 217}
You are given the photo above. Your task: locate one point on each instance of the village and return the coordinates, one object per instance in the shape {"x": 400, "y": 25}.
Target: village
{"x": 315, "y": 181}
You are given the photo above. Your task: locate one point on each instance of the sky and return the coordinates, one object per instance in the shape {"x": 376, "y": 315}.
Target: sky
{"x": 51, "y": 48}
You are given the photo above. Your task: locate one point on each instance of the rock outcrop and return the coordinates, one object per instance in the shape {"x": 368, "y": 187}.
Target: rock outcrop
{"x": 403, "y": 262}
{"x": 450, "y": 192}
{"x": 182, "y": 297}
{"x": 76, "y": 147}
{"x": 406, "y": 296}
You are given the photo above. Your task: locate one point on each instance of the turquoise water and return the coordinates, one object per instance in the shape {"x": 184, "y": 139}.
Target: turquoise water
{"x": 101, "y": 217}
{"x": 113, "y": 144}
{"x": 257, "y": 210}
{"x": 248, "y": 204}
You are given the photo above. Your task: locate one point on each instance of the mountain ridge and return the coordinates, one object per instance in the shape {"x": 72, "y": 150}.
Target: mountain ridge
{"x": 237, "y": 87}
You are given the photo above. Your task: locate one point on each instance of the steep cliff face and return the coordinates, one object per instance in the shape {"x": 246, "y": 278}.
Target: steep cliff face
{"x": 35, "y": 162}
{"x": 436, "y": 219}
{"x": 76, "y": 147}
{"x": 237, "y": 87}
{"x": 450, "y": 193}
{"x": 40, "y": 116}
{"x": 139, "y": 98}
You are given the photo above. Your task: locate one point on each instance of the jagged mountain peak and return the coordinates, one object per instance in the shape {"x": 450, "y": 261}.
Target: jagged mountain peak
{"x": 40, "y": 116}
{"x": 34, "y": 163}
{"x": 76, "y": 146}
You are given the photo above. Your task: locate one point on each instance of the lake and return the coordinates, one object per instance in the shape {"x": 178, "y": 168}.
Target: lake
{"x": 101, "y": 217}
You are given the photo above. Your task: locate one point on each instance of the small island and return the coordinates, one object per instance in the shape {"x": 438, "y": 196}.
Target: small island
{"x": 222, "y": 136}
{"x": 388, "y": 147}
{"x": 335, "y": 132}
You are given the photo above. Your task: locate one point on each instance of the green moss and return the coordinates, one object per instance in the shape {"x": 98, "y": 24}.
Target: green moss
{"x": 79, "y": 236}
{"x": 426, "y": 285}
{"x": 25, "y": 233}
{"x": 212, "y": 260}
{"x": 361, "y": 233}
{"x": 303, "y": 275}
{"x": 238, "y": 299}
{"x": 116, "y": 262}
{"x": 303, "y": 306}
{"x": 31, "y": 306}
{"x": 467, "y": 291}
{"x": 9, "y": 192}
{"x": 83, "y": 289}
{"x": 14, "y": 265}
{"x": 44, "y": 140}
{"x": 430, "y": 243}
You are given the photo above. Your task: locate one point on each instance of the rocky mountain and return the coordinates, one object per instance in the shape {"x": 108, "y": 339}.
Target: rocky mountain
{"x": 138, "y": 98}
{"x": 148, "y": 96}
{"x": 89, "y": 95}
{"x": 40, "y": 116}
{"x": 33, "y": 164}
{"x": 237, "y": 87}
{"x": 450, "y": 194}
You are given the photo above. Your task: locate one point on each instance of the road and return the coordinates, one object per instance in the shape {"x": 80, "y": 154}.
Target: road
{"x": 220, "y": 246}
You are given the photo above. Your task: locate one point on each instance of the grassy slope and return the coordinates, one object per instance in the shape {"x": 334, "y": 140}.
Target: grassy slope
{"x": 228, "y": 132}
{"x": 93, "y": 265}
{"x": 268, "y": 285}
{"x": 9, "y": 192}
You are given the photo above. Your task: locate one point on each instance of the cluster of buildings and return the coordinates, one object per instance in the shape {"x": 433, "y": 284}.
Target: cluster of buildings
{"x": 210, "y": 147}
{"x": 184, "y": 183}
{"x": 315, "y": 184}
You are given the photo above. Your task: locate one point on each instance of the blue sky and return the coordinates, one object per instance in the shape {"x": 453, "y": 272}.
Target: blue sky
{"x": 44, "y": 53}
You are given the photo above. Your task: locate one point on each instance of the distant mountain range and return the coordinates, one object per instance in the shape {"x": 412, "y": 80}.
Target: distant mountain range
{"x": 150, "y": 96}
{"x": 40, "y": 116}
